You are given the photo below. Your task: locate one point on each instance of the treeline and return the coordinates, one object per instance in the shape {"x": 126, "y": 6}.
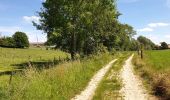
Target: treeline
{"x": 18, "y": 40}
{"x": 149, "y": 45}
{"x": 146, "y": 43}
{"x": 163, "y": 46}
{"x": 84, "y": 26}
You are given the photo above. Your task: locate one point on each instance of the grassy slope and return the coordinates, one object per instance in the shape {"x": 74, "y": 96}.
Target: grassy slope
{"x": 9, "y": 57}
{"x": 155, "y": 70}
{"x": 111, "y": 84}
{"x": 60, "y": 83}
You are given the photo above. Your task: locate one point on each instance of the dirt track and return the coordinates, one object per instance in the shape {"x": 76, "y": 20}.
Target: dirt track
{"x": 132, "y": 89}
{"x": 89, "y": 91}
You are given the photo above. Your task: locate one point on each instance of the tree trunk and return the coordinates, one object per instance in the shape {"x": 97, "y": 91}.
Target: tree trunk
{"x": 138, "y": 52}
{"x": 73, "y": 46}
{"x": 141, "y": 54}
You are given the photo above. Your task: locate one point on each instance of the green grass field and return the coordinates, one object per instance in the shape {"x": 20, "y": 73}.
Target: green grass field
{"x": 61, "y": 82}
{"x": 159, "y": 60}
{"x": 10, "y": 58}
{"x": 155, "y": 70}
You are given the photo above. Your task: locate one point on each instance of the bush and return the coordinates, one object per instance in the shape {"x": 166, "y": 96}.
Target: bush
{"x": 164, "y": 45}
{"x": 20, "y": 40}
{"x": 7, "y": 42}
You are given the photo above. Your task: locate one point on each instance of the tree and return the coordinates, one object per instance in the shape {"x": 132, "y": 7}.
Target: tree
{"x": 83, "y": 26}
{"x": 20, "y": 40}
{"x": 164, "y": 45}
{"x": 147, "y": 43}
{"x": 134, "y": 45}
{"x": 125, "y": 34}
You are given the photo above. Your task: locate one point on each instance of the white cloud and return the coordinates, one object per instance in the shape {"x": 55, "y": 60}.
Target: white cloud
{"x": 151, "y": 27}
{"x": 167, "y": 36}
{"x": 43, "y": 0}
{"x": 29, "y": 19}
{"x": 154, "y": 25}
{"x": 145, "y": 30}
{"x": 34, "y": 35}
{"x": 12, "y": 29}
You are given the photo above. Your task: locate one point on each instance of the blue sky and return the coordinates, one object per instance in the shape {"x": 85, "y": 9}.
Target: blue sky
{"x": 150, "y": 18}
{"x": 17, "y": 15}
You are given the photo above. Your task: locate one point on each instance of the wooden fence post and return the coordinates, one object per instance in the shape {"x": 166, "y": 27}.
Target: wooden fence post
{"x": 142, "y": 48}
{"x": 138, "y": 52}
{"x": 141, "y": 54}
{"x": 10, "y": 79}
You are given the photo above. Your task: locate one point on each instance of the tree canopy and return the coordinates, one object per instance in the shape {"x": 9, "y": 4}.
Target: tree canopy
{"x": 84, "y": 26}
{"x": 164, "y": 45}
{"x": 147, "y": 43}
{"x": 20, "y": 40}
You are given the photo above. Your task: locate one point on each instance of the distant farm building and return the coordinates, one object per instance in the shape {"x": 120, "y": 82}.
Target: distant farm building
{"x": 40, "y": 44}
{"x": 169, "y": 46}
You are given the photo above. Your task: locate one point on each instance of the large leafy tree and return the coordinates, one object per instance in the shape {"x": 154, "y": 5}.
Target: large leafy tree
{"x": 82, "y": 26}
{"x": 76, "y": 25}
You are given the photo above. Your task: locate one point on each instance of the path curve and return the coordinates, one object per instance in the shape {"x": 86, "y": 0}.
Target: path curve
{"x": 133, "y": 88}
{"x": 89, "y": 91}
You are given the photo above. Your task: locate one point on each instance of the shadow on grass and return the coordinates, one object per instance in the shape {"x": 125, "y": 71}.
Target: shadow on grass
{"x": 40, "y": 64}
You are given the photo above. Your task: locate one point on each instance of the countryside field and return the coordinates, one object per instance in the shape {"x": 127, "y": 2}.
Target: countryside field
{"x": 60, "y": 82}
{"x": 84, "y": 50}
{"x": 155, "y": 70}
{"x": 11, "y": 59}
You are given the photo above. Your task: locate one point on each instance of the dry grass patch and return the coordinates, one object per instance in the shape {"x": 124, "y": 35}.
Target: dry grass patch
{"x": 154, "y": 69}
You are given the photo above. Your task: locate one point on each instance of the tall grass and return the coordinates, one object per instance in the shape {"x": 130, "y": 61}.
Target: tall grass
{"x": 59, "y": 83}
{"x": 155, "y": 70}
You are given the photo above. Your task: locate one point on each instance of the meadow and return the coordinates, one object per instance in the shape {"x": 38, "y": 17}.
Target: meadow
{"x": 12, "y": 59}
{"x": 61, "y": 82}
{"x": 155, "y": 70}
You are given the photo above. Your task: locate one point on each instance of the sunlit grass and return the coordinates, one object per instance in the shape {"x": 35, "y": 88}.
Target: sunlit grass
{"x": 59, "y": 83}
{"x": 155, "y": 70}
{"x": 9, "y": 57}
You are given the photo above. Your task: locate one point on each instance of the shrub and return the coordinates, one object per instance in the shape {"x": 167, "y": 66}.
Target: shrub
{"x": 7, "y": 42}
{"x": 164, "y": 45}
{"x": 20, "y": 40}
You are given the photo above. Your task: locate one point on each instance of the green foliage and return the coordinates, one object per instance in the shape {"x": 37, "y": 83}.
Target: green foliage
{"x": 7, "y": 42}
{"x": 148, "y": 44}
{"x": 134, "y": 45}
{"x": 164, "y": 45}
{"x": 80, "y": 26}
{"x": 20, "y": 40}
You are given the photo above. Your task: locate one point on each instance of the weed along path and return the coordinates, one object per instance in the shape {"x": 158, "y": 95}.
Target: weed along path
{"x": 132, "y": 89}
{"x": 89, "y": 91}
